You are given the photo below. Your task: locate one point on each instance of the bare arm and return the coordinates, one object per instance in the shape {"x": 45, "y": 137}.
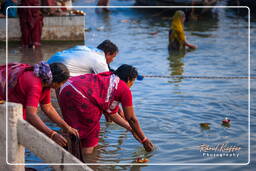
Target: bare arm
{"x": 120, "y": 112}
{"x": 182, "y": 40}
{"x": 136, "y": 129}
{"x": 120, "y": 121}
{"x": 36, "y": 121}
{"x": 50, "y": 111}
{"x": 123, "y": 123}
{"x": 190, "y": 45}
{"x": 133, "y": 121}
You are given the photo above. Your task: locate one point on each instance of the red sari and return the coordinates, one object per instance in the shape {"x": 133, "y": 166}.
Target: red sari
{"x": 84, "y": 98}
{"x": 23, "y": 86}
{"x": 31, "y": 23}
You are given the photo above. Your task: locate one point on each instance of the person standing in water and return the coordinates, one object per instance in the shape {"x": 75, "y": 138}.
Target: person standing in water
{"x": 84, "y": 98}
{"x": 177, "y": 38}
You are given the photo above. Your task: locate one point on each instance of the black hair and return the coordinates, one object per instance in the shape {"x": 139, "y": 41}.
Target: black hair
{"x": 126, "y": 72}
{"x": 110, "y": 69}
{"x": 60, "y": 72}
{"x": 108, "y": 47}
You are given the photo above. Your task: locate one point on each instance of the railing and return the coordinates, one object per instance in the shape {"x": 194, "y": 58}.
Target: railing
{"x": 20, "y": 135}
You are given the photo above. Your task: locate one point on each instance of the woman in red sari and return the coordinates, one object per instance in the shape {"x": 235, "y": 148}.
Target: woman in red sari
{"x": 84, "y": 98}
{"x": 31, "y": 23}
{"x": 30, "y": 86}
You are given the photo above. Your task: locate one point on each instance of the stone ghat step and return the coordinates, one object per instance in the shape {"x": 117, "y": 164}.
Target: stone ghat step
{"x": 55, "y": 28}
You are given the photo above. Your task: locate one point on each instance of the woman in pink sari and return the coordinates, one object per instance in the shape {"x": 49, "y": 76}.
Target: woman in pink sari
{"x": 84, "y": 98}
{"x": 31, "y": 23}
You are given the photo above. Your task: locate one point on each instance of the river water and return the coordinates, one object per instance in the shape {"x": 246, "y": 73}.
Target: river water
{"x": 170, "y": 110}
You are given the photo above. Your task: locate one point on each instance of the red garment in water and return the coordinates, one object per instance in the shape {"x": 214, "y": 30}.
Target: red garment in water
{"x": 27, "y": 90}
{"x": 84, "y": 98}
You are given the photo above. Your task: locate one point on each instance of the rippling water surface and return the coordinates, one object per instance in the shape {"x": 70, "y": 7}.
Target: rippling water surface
{"x": 170, "y": 110}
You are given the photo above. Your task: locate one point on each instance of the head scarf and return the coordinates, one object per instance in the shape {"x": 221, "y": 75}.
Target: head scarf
{"x": 43, "y": 71}
{"x": 177, "y": 27}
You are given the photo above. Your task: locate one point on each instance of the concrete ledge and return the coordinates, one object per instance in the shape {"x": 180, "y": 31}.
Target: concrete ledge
{"x": 55, "y": 28}
{"x": 47, "y": 149}
{"x": 21, "y": 134}
{"x": 15, "y": 150}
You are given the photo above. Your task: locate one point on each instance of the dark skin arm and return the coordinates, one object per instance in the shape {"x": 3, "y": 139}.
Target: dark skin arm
{"x": 120, "y": 121}
{"x": 35, "y": 120}
{"x": 190, "y": 45}
{"x": 120, "y": 112}
{"x": 50, "y": 111}
{"x": 136, "y": 129}
{"x": 123, "y": 123}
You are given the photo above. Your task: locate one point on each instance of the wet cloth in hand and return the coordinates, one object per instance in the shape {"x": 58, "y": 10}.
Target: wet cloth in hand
{"x": 74, "y": 145}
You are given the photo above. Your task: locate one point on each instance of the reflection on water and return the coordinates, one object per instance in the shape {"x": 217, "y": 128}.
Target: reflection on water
{"x": 209, "y": 22}
{"x": 176, "y": 63}
{"x": 170, "y": 110}
{"x": 31, "y": 56}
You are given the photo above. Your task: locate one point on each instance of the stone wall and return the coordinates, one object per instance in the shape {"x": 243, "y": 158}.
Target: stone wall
{"x": 55, "y": 28}
{"x": 15, "y": 150}
{"x": 22, "y": 135}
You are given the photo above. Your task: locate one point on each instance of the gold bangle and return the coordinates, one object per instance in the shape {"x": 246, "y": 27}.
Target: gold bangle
{"x": 144, "y": 140}
{"x": 52, "y": 134}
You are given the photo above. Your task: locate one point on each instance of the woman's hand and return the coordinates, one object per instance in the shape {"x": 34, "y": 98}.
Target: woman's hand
{"x": 193, "y": 46}
{"x": 55, "y": 117}
{"x": 73, "y": 131}
{"x": 148, "y": 145}
{"x": 59, "y": 139}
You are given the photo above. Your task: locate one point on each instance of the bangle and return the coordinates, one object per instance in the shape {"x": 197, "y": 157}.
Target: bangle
{"x": 67, "y": 128}
{"x": 144, "y": 140}
{"x": 52, "y": 134}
